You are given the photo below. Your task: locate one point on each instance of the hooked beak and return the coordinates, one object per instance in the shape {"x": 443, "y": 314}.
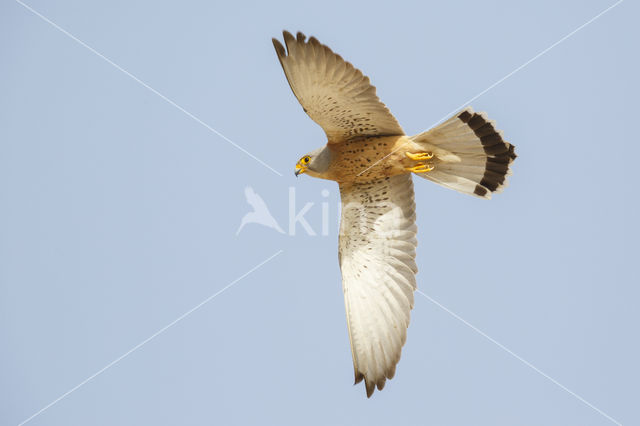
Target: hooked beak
{"x": 300, "y": 170}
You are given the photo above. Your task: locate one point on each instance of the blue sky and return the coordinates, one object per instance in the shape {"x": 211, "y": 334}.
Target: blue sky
{"x": 119, "y": 212}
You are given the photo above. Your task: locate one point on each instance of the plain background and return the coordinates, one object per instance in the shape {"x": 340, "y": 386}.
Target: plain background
{"x": 118, "y": 213}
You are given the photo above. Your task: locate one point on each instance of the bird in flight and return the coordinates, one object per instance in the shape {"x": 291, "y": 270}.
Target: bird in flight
{"x": 373, "y": 161}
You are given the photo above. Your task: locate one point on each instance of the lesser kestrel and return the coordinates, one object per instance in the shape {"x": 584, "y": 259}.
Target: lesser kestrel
{"x": 372, "y": 160}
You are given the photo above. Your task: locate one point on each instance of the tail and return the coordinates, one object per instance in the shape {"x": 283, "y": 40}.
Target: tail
{"x": 470, "y": 154}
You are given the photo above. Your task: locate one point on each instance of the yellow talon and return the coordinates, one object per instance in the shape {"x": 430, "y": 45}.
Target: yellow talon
{"x": 421, "y": 156}
{"x": 420, "y": 168}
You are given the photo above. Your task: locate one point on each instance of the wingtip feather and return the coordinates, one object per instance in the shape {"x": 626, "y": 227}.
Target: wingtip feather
{"x": 279, "y": 48}
{"x": 370, "y": 386}
{"x": 289, "y": 40}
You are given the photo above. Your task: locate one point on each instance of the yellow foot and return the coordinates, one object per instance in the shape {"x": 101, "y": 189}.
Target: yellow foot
{"x": 420, "y": 168}
{"x": 420, "y": 156}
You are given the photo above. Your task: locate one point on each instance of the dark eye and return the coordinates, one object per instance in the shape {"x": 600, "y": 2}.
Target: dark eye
{"x": 306, "y": 159}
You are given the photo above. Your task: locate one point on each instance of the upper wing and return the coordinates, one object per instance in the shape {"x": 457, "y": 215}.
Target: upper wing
{"x": 332, "y": 92}
{"x": 377, "y": 258}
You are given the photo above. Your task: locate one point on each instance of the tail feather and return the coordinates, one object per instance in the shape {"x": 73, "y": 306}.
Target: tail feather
{"x": 471, "y": 155}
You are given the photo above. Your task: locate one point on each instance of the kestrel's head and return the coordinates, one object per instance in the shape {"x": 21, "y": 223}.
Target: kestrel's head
{"x": 315, "y": 163}
{"x": 302, "y": 165}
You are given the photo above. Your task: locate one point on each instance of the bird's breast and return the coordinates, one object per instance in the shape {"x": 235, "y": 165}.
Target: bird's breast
{"x": 368, "y": 158}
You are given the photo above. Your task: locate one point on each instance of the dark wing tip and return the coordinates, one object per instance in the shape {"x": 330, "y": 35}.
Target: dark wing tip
{"x": 279, "y": 47}
{"x": 288, "y": 40}
{"x": 371, "y": 386}
{"x": 288, "y": 37}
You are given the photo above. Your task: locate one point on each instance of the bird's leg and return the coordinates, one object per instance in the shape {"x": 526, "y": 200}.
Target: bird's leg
{"x": 420, "y": 168}
{"x": 420, "y": 156}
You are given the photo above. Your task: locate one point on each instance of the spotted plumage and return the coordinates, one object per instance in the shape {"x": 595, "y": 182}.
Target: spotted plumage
{"x": 372, "y": 160}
